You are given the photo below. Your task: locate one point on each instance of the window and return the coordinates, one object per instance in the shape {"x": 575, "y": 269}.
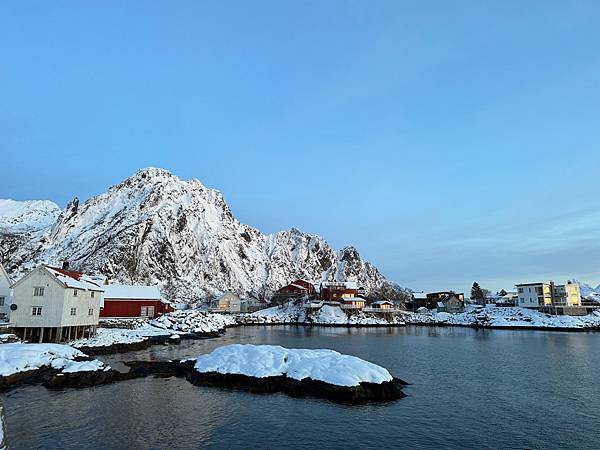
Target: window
{"x": 92, "y": 294}
{"x": 147, "y": 311}
{"x": 520, "y": 290}
{"x": 2, "y": 299}
{"x": 74, "y": 292}
{"x": 73, "y": 311}
{"x": 91, "y": 311}
{"x": 38, "y": 291}
{"x": 36, "y": 310}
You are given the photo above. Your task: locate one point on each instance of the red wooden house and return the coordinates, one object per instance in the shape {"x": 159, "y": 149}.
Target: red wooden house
{"x": 133, "y": 301}
{"x": 299, "y": 288}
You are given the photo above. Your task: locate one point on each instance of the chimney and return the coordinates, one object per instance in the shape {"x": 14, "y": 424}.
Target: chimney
{"x": 65, "y": 265}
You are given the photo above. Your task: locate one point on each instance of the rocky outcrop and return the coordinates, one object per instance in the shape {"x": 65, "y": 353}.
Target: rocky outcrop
{"x": 155, "y": 228}
{"x": 363, "y": 393}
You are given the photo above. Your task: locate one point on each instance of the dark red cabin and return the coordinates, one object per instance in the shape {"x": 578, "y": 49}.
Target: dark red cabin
{"x": 133, "y": 301}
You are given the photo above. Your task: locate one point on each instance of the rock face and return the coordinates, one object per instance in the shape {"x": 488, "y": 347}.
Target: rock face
{"x": 155, "y": 228}
{"x": 363, "y": 393}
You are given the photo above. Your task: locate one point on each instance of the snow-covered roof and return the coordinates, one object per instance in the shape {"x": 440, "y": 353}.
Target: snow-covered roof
{"x": 226, "y": 293}
{"x": 123, "y": 291}
{"x": 74, "y": 279}
{"x": 440, "y": 304}
{"x": 352, "y": 299}
{"x": 382, "y": 302}
{"x": 419, "y": 295}
{"x": 347, "y": 284}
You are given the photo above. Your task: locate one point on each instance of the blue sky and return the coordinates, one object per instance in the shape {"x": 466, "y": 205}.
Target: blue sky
{"x": 448, "y": 141}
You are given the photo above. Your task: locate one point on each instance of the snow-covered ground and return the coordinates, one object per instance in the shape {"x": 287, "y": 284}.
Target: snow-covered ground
{"x": 194, "y": 321}
{"x": 15, "y": 358}
{"x": 269, "y": 361}
{"x": 326, "y": 315}
{"x": 492, "y": 316}
{"x": 110, "y": 336}
{"x": 170, "y": 325}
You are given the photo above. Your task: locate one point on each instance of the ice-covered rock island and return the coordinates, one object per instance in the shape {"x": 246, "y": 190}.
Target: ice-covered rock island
{"x": 297, "y": 372}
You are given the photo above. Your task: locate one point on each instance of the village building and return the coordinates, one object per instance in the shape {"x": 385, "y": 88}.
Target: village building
{"x": 417, "y": 300}
{"x": 125, "y": 301}
{"x": 4, "y": 294}
{"x": 296, "y": 289}
{"x": 550, "y": 297}
{"x": 251, "y": 304}
{"x": 504, "y": 299}
{"x": 229, "y": 303}
{"x": 334, "y": 291}
{"x": 451, "y": 304}
{"x": 357, "y": 303}
{"x": 431, "y": 300}
{"x": 55, "y": 304}
{"x": 382, "y": 305}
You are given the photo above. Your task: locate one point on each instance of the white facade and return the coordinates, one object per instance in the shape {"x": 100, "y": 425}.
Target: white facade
{"x": 230, "y": 302}
{"x": 49, "y": 298}
{"x": 4, "y": 294}
{"x": 537, "y": 295}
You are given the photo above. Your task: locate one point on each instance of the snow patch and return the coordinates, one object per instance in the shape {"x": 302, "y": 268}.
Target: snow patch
{"x": 15, "y": 358}
{"x": 262, "y": 361}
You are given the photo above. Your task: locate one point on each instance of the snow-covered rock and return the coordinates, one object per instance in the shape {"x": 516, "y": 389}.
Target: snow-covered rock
{"x": 492, "y": 316}
{"x": 295, "y": 312}
{"x": 107, "y": 337}
{"x": 15, "y": 358}
{"x": 194, "y": 321}
{"x": 155, "y": 228}
{"x": 270, "y": 361}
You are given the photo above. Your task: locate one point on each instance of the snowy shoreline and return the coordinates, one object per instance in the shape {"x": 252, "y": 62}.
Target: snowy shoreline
{"x": 473, "y": 317}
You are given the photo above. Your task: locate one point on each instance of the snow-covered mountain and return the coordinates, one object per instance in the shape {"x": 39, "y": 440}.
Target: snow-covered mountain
{"x": 590, "y": 292}
{"x": 23, "y": 223}
{"x": 154, "y": 227}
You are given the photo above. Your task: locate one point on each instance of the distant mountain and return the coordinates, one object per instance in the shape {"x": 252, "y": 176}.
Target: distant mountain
{"x": 24, "y": 224}
{"x": 590, "y": 292}
{"x": 155, "y": 228}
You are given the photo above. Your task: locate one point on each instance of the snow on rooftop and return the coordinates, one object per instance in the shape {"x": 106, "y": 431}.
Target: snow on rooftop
{"x": 123, "y": 291}
{"x": 74, "y": 279}
{"x": 382, "y": 302}
{"x": 262, "y": 361}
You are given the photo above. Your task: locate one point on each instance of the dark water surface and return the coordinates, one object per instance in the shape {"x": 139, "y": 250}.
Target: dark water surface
{"x": 470, "y": 389}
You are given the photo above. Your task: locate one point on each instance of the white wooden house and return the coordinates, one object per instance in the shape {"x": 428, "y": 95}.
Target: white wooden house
{"x": 4, "y": 294}
{"x": 230, "y": 303}
{"x": 50, "y": 304}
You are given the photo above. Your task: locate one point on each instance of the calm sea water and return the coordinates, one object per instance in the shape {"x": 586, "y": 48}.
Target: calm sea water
{"x": 470, "y": 389}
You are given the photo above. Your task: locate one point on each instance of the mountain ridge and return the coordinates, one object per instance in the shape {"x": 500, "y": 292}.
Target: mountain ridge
{"x": 155, "y": 228}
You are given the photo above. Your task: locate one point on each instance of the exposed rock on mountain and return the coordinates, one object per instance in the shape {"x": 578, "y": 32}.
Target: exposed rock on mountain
{"x": 154, "y": 227}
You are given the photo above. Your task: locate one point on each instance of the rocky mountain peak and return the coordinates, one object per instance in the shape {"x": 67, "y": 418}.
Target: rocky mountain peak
{"x": 155, "y": 228}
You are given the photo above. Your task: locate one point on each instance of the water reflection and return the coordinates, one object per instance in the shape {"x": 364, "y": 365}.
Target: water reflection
{"x": 470, "y": 388}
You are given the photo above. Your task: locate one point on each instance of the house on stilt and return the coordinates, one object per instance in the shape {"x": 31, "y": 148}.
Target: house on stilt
{"x": 52, "y": 304}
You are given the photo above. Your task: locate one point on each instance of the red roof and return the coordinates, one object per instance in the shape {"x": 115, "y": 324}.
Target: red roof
{"x": 68, "y": 273}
